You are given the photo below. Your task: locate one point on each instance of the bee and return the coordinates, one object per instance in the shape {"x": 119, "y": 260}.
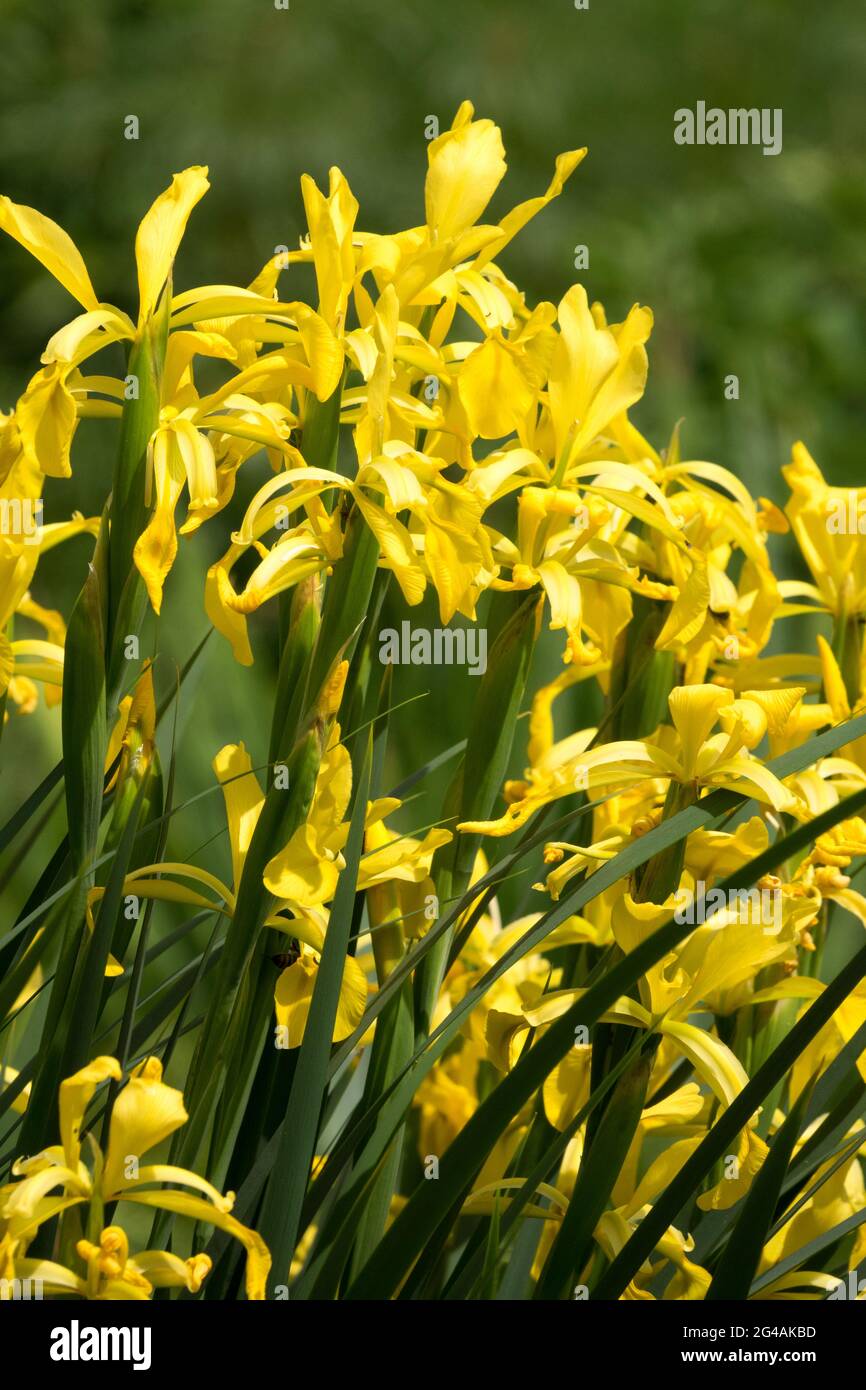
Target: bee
{"x": 283, "y": 959}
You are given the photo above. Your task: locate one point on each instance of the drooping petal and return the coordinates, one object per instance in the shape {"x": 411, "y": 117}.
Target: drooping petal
{"x": 50, "y": 245}
{"x": 294, "y": 993}
{"x": 713, "y": 1061}
{"x": 258, "y": 1255}
{"x": 47, "y": 418}
{"x": 243, "y": 801}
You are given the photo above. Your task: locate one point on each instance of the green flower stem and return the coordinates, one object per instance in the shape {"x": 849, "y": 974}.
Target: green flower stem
{"x": 130, "y": 507}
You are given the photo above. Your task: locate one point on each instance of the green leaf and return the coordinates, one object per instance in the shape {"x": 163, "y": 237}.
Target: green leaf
{"x": 291, "y": 695}
{"x": 394, "y": 1038}
{"x": 284, "y": 1196}
{"x": 479, "y": 780}
{"x": 742, "y": 1252}
{"x": 83, "y": 717}
{"x": 464, "y": 1157}
{"x": 704, "y": 814}
{"x": 86, "y": 992}
{"x": 83, "y": 723}
{"x": 30, "y": 806}
{"x": 143, "y": 800}
{"x": 601, "y": 1166}
{"x": 28, "y": 959}
{"x": 715, "y": 1145}
{"x": 284, "y": 810}
{"x": 379, "y": 1124}
{"x": 130, "y": 508}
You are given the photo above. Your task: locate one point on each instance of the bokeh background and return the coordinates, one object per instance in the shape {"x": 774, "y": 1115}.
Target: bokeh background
{"x": 752, "y": 265}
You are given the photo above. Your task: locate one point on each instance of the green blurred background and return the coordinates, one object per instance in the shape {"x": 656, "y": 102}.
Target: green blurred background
{"x": 753, "y": 265}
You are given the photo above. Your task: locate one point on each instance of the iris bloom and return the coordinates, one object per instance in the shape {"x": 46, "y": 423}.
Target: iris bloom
{"x": 448, "y": 262}
{"x": 710, "y": 970}
{"x": 302, "y": 877}
{"x": 450, "y": 256}
{"x": 444, "y": 542}
{"x": 826, "y": 523}
{"x": 111, "y": 1273}
{"x": 717, "y": 958}
{"x": 699, "y": 760}
{"x": 219, "y": 321}
{"x": 25, "y": 659}
{"x": 145, "y": 1112}
{"x": 670, "y": 1118}
{"x": 48, "y": 412}
{"x": 562, "y": 546}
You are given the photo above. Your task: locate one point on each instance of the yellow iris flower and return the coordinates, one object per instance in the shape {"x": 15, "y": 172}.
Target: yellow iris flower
{"x": 145, "y": 1112}
{"x": 826, "y": 522}
{"x": 563, "y": 545}
{"x": 25, "y": 539}
{"x": 111, "y": 1273}
{"x": 48, "y": 413}
{"x": 699, "y": 760}
{"x": 302, "y": 877}
{"x": 230, "y": 323}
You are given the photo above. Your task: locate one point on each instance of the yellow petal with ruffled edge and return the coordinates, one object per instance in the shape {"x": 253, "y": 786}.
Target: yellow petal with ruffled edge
{"x": 301, "y": 873}
{"x": 398, "y": 551}
{"x": 821, "y": 518}
{"x": 750, "y": 1154}
{"x": 466, "y": 166}
{"x": 46, "y": 421}
{"x": 689, "y": 610}
{"x": 218, "y": 593}
{"x": 694, "y": 710}
{"x": 294, "y": 992}
{"x": 145, "y": 1112}
{"x": 496, "y": 394}
{"x": 597, "y": 372}
{"x": 160, "y": 232}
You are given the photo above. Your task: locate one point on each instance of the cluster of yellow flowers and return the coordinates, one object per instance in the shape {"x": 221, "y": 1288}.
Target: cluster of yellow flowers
{"x": 145, "y": 1112}
{"x": 469, "y": 410}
